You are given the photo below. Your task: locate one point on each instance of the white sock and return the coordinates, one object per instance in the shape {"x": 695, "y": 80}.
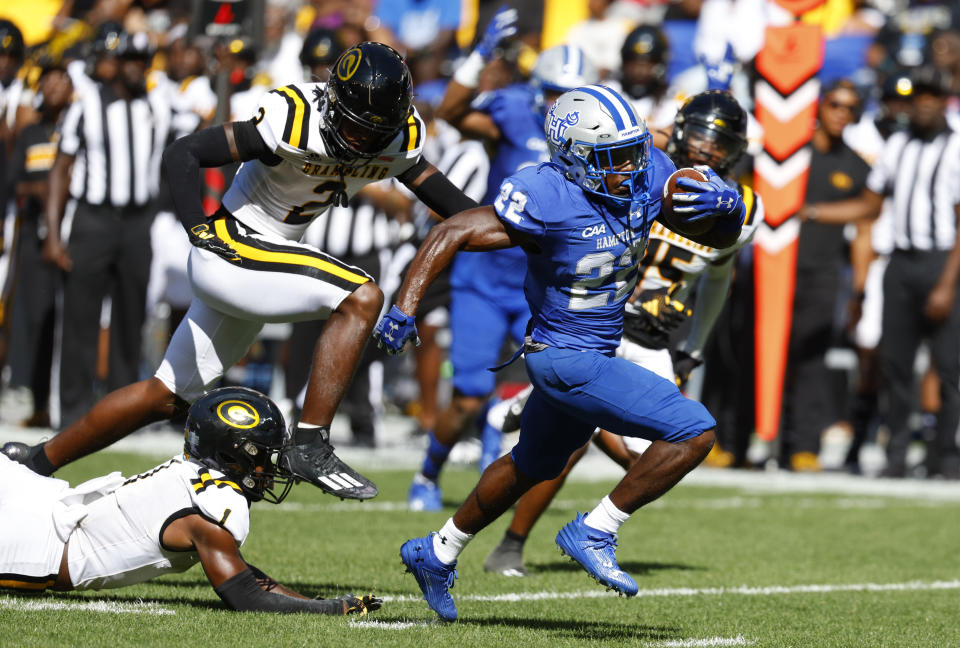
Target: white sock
{"x": 606, "y": 517}
{"x": 449, "y": 541}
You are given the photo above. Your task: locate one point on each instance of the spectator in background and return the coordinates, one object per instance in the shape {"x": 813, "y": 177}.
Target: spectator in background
{"x": 425, "y": 30}
{"x": 836, "y": 173}
{"x": 680, "y": 26}
{"x": 35, "y": 288}
{"x": 917, "y": 171}
{"x": 601, "y": 36}
{"x": 905, "y": 39}
{"x": 642, "y": 79}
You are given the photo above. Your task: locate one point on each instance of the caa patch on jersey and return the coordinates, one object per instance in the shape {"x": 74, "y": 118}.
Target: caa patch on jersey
{"x": 220, "y": 500}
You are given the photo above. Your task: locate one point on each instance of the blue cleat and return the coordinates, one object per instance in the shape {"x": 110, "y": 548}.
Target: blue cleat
{"x": 425, "y": 496}
{"x": 594, "y": 550}
{"x": 435, "y": 578}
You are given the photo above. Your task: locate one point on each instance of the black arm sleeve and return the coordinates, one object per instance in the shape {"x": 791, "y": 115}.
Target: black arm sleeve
{"x": 241, "y": 593}
{"x": 181, "y": 165}
{"x": 436, "y": 191}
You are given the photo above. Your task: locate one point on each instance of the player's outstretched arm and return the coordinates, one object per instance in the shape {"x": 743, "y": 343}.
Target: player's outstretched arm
{"x": 245, "y": 588}
{"x": 475, "y": 230}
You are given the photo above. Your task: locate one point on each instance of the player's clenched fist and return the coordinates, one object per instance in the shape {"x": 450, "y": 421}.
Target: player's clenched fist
{"x": 394, "y": 330}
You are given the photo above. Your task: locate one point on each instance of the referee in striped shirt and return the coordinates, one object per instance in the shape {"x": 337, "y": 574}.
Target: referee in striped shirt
{"x": 918, "y": 171}
{"x": 108, "y": 161}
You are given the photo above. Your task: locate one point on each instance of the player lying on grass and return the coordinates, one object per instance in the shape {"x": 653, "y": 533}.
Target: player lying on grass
{"x": 583, "y": 221}
{"x": 112, "y": 532}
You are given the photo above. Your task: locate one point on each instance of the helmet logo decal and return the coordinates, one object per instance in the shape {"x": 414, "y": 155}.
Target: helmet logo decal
{"x": 349, "y": 63}
{"x": 238, "y": 414}
{"x": 559, "y": 125}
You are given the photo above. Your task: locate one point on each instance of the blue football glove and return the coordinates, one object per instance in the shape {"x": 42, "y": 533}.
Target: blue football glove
{"x": 710, "y": 199}
{"x": 395, "y": 330}
{"x": 720, "y": 73}
{"x": 502, "y": 25}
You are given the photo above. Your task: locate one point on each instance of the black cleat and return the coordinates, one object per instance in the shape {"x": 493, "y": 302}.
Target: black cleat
{"x": 314, "y": 461}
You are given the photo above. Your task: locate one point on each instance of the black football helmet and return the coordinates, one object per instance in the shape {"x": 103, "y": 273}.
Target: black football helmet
{"x": 711, "y": 129}
{"x": 11, "y": 39}
{"x": 367, "y": 102}
{"x": 645, "y": 43}
{"x": 241, "y": 433}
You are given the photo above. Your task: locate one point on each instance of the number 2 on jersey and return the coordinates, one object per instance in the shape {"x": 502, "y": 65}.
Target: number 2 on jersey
{"x": 299, "y": 214}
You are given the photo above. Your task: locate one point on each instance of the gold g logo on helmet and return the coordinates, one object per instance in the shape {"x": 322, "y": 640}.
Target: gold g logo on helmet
{"x": 348, "y": 64}
{"x": 238, "y": 414}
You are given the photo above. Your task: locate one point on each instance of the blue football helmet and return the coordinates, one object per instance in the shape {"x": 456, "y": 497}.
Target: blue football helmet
{"x": 562, "y": 68}
{"x": 592, "y": 133}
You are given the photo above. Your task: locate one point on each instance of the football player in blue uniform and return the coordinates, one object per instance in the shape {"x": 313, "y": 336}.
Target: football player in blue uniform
{"x": 486, "y": 300}
{"x": 710, "y": 129}
{"x": 582, "y": 220}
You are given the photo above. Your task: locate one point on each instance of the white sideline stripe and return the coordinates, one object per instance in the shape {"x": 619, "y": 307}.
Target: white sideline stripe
{"x": 111, "y": 607}
{"x": 743, "y": 590}
{"x": 704, "y": 643}
{"x": 390, "y": 625}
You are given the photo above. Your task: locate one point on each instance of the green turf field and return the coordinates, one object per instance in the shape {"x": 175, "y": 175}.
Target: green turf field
{"x": 716, "y": 567}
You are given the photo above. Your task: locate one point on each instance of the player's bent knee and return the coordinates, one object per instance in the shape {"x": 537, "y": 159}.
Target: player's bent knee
{"x": 366, "y": 302}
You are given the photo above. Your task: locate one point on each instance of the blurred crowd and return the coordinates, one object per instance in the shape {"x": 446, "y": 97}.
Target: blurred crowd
{"x": 199, "y": 63}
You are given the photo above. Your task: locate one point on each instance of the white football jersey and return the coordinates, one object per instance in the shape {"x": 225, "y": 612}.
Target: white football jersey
{"x": 118, "y": 541}
{"x": 672, "y": 259}
{"x": 283, "y": 199}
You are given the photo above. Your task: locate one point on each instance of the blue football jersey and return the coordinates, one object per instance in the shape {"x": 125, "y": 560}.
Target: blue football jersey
{"x": 518, "y": 114}
{"x": 589, "y": 251}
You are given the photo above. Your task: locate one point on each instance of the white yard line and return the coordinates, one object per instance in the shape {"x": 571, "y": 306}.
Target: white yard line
{"x": 704, "y": 643}
{"x": 111, "y": 607}
{"x": 391, "y": 625}
{"x": 742, "y": 590}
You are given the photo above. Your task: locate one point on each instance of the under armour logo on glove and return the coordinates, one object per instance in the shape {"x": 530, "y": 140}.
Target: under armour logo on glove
{"x": 395, "y": 330}
{"x": 706, "y": 199}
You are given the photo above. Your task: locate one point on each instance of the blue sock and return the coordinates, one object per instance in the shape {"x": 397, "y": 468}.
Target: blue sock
{"x": 437, "y": 454}
{"x": 490, "y": 439}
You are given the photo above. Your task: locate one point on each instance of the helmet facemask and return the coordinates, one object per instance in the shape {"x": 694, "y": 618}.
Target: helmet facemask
{"x": 354, "y": 139}
{"x": 628, "y": 158}
{"x": 693, "y": 143}
{"x": 254, "y": 467}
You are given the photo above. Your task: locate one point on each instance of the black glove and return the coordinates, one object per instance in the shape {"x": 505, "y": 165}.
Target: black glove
{"x": 361, "y": 605}
{"x": 660, "y": 310}
{"x": 201, "y": 237}
{"x": 683, "y": 366}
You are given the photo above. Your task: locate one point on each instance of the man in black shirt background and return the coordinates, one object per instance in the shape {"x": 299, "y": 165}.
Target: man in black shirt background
{"x": 836, "y": 173}
{"x": 36, "y": 281}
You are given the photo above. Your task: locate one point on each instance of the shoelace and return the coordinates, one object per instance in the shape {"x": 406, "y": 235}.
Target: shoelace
{"x": 602, "y": 542}
{"x": 451, "y": 576}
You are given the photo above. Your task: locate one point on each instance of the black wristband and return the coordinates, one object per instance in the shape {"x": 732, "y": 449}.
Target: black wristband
{"x": 243, "y": 594}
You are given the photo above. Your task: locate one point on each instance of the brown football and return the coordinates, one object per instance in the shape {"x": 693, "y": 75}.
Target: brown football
{"x": 675, "y": 221}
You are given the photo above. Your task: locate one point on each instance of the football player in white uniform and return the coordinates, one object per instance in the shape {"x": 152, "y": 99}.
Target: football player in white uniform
{"x": 112, "y": 532}
{"x": 310, "y": 146}
{"x": 710, "y": 129}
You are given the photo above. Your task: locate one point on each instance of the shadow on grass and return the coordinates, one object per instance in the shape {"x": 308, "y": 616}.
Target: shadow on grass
{"x": 312, "y": 589}
{"x": 633, "y": 567}
{"x": 589, "y": 630}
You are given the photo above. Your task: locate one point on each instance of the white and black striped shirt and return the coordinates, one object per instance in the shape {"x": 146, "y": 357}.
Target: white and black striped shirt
{"x": 117, "y": 145}
{"x": 921, "y": 179}
{"x": 349, "y": 232}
